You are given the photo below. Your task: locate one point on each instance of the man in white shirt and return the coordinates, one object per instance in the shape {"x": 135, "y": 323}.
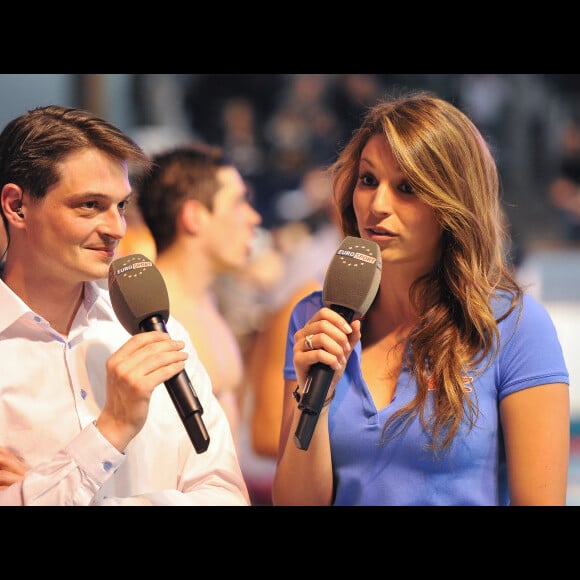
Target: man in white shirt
{"x": 85, "y": 418}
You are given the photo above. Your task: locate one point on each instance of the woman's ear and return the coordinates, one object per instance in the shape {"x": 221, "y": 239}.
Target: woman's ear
{"x": 11, "y": 199}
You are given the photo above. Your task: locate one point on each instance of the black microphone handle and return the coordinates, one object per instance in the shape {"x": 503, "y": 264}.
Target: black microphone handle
{"x": 311, "y": 402}
{"x": 315, "y": 392}
{"x": 183, "y": 395}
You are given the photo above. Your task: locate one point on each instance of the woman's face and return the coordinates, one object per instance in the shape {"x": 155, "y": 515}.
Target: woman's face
{"x": 389, "y": 213}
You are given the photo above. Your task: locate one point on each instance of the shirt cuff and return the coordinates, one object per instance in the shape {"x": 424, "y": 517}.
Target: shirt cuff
{"x": 95, "y": 455}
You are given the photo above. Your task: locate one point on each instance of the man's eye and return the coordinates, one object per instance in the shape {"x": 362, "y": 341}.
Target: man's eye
{"x": 249, "y": 196}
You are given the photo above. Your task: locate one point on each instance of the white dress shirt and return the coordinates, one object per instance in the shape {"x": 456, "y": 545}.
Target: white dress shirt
{"x": 51, "y": 390}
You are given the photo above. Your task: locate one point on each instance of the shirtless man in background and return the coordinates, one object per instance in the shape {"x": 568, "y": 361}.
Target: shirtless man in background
{"x": 195, "y": 203}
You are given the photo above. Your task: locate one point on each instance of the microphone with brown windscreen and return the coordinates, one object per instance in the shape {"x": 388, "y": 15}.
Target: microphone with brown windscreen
{"x": 141, "y": 302}
{"x": 350, "y": 285}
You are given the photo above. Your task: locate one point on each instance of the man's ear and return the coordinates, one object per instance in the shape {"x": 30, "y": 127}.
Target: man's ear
{"x": 193, "y": 216}
{"x": 11, "y": 199}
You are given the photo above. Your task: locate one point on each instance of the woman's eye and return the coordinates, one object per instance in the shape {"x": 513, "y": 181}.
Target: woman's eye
{"x": 405, "y": 187}
{"x": 367, "y": 180}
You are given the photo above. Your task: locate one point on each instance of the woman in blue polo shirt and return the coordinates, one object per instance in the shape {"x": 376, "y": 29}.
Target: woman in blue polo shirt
{"x": 453, "y": 389}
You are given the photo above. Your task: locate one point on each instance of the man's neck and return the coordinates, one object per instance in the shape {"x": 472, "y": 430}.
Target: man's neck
{"x": 56, "y": 303}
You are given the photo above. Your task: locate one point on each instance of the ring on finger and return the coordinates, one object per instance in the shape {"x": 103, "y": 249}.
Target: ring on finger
{"x": 308, "y": 342}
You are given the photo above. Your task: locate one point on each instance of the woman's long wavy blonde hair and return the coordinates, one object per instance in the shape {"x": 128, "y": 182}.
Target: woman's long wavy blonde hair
{"x": 451, "y": 168}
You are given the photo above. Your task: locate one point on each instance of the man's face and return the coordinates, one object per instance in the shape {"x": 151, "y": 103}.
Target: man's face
{"x": 230, "y": 228}
{"x": 72, "y": 233}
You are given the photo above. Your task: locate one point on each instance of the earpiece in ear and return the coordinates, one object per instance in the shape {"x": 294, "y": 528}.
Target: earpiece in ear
{"x": 19, "y": 212}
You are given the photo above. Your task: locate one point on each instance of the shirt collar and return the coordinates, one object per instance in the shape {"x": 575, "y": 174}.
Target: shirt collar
{"x": 13, "y": 307}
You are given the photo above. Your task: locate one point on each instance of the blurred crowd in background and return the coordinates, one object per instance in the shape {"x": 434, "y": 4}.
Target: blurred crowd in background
{"x": 277, "y": 126}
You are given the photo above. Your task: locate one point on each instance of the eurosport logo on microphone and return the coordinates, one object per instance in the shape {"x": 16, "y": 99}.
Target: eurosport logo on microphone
{"x": 357, "y": 256}
{"x": 135, "y": 266}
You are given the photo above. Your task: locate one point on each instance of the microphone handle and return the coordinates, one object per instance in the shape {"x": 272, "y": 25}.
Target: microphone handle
{"x": 189, "y": 408}
{"x": 183, "y": 396}
{"x": 315, "y": 392}
{"x": 311, "y": 402}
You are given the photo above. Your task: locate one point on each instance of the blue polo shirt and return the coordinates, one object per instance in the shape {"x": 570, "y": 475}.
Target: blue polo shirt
{"x": 402, "y": 471}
